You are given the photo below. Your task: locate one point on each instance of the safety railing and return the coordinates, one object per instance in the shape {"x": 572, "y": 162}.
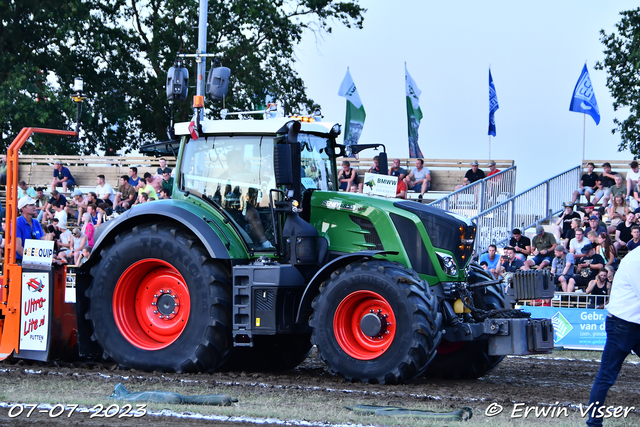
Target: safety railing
{"x": 481, "y": 195}
{"x": 573, "y": 300}
{"x": 524, "y": 210}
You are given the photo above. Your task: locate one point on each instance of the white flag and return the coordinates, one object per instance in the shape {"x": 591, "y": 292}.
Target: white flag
{"x": 412, "y": 90}
{"x": 349, "y": 91}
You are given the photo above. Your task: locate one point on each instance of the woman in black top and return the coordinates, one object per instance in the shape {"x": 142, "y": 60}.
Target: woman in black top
{"x": 347, "y": 176}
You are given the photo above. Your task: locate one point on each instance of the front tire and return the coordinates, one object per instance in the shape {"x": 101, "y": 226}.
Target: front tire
{"x": 376, "y": 322}
{"x": 159, "y": 302}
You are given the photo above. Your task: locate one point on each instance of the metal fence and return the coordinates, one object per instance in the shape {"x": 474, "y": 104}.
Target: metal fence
{"x": 525, "y": 209}
{"x": 573, "y": 300}
{"x": 479, "y": 196}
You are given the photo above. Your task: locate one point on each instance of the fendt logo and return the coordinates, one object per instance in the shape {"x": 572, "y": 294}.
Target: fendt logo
{"x": 35, "y": 285}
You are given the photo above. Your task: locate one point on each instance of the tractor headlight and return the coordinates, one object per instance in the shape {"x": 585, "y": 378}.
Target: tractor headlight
{"x": 447, "y": 263}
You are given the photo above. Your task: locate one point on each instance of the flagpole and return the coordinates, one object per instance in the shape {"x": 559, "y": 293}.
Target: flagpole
{"x": 584, "y": 131}
{"x": 489, "y": 147}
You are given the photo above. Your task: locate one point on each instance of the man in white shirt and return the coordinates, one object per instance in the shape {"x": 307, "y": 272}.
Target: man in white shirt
{"x": 104, "y": 191}
{"x": 419, "y": 179}
{"x": 632, "y": 177}
{"x": 623, "y": 332}
{"x": 577, "y": 243}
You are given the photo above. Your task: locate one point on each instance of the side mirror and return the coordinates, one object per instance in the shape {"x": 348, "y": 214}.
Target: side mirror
{"x": 177, "y": 83}
{"x": 282, "y": 165}
{"x": 218, "y": 83}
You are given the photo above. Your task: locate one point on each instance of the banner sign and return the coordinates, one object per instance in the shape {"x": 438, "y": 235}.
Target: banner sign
{"x": 34, "y": 322}
{"x": 575, "y": 328}
{"x": 380, "y": 185}
{"x": 37, "y": 254}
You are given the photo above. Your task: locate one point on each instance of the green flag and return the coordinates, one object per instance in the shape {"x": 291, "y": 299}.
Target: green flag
{"x": 354, "y": 120}
{"x": 414, "y": 114}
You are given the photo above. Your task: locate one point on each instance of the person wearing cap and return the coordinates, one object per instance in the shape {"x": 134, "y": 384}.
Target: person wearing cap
{"x": 562, "y": 267}
{"x": 587, "y": 184}
{"x": 521, "y": 245}
{"x": 61, "y": 177}
{"x": 587, "y": 268}
{"x": 79, "y": 202}
{"x": 126, "y": 195}
{"x": 492, "y": 168}
{"x": 563, "y": 225}
{"x": 26, "y": 227}
{"x": 594, "y": 224}
{"x": 632, "y": 177}
{"x": 474, "y": 174}
{"x": 622, "y": 325}
{"x": 543, "y": 245}
{"x": 167, "y": 182}
{"x": 396, "y": 170}
{"x": 419, "y": 180}
{"x": 588, "y": 209}
{"x": 606, "y": 180}
{"x": 25, "y": 190}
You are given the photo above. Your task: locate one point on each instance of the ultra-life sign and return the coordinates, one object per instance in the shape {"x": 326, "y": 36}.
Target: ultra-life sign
{"x": 37, "y": 254}
{"x": 380, "y": 185}
{"x": 34, "y": 311}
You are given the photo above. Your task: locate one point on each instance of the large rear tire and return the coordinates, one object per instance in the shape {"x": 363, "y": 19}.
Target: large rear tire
{"x": 376, "y": 322}
{"x": 159, "y": 302}
{"x": 270, "y": 353}
{"x": 468, "y": 359}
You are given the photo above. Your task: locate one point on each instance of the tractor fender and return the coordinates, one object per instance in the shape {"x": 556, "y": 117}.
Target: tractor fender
{"x": 186, "y": 214}
{"x": 310, "y": 292}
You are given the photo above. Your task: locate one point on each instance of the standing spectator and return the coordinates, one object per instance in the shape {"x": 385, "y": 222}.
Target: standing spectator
{"x": 492, "y": 168}
{"x": 78, "y": 201}
{"x": 594, "y": 224}
{"x": 26, "y": 227}
{"x": 347, "y": 175}
{"x": 562, "y": 267}
{"x": 167, "y": 182}
{"x": 623, "y": 231}
{"x": 61, "y": 176}
{"x": 509, "y": 263}
{"x": 491, "y": 258}
{"x": 623, "y": 332}
{"x": 577, "y": 243}
{"x": 419, "y": 180}
{"x": 588, "y": 268}
{"x": 605, "y": 181}
{"x": 41, "y": 202}
{"x": 134, "y": 179}
{"x": 587, "y": 184}
{"x": 25, "y": 190}
{"x": 617, "y": 212}
{"x": 635, "y": 241}
{"x": 126, "y": 195}
{"x": 606, "y": 249}
{"x": 563, "y": 225}
{"x": 632, "y": 177}
{"x": 396, "y": 170}
{"x": 104, "y": 190}
{"x": 543, "y": 245}
{"x": 521, "y": 245}
{"x": 376, "y": 165}
{"x": 474, "y": 174}
{"x": 619, "y": 188}
{"x": 163, "y": 166}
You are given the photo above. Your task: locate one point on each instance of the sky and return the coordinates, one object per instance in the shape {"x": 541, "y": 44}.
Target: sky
{"x": 536, "y": 51}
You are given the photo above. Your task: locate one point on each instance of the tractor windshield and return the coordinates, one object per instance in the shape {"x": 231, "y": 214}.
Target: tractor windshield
{"x": 316, "y": 164}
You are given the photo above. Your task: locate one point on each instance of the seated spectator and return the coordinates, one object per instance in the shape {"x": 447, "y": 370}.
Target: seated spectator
{"x": 587, "y": 268}
{"x": 601, "y": 287}
{"x": 632, "y": 180}
{"x": 588, "y": 211}
{"x": 521, "y": 245}
{"x": 144, "y": 187}
{"x": 492, "y": 168}
{"x": 102, "y": 215}
{"x": 577, "y": 243}
{"x": 346, "y": 176}
{"x": 92, "y": 198}
{"x": 104, "y": 190}
{"x": 41, "y": 203}
{"x": 617, "y": 212}
{"x": 484, "y": 265}
{"x": 163, "y": 166}
{"x": 587, "y": 184}
{"x": 562, "y": 267}
{"x": 491, "y": 258}
{"x": 65, "y": 243}
{"x": 25, "y": 190}
{"x": 60, "y": 214}
{"x": 619, "y": 188}
{"x": 401, "y": 189}
{"x": 86, "y": 253}
{"x": 543, "y": 245}
{"x": 571, "y": 234}
{"x": 509, "y": 263}
{"x": 143, "y": 197}
{"x": 48, "y": 209}
{"x": 126, "y": 195}
{"x": 164, "y": 196}
{"x": 3, "y": 169}
{"x": 563, "y": 225}
{"x": 396, "y": 170}
{"x": 155, "y": 181}
{"x": 604, "y": 183}
{"x": 78, "y": 201}
{"x": 474, "y": 174}
{"x": 623, "y": 231}
{"x": 79, "y": 242}
{"x": 419, "y": 180}
{"x": 606, "y": 249}
{"x": 353, "y": 188}
{"x": 594, "y": 224}
{"x": 134, "y": 179}
{"x": 88, "y": 228}
{"x": 167, "y": 181}
{"x": 61, "y": 177}
{"x": 635, "y": 241}
{"x": 634, "y": 201}
{"x": 92, "y": 210}
{"x": 376, "y": 165}
{"x": 610, "y": 272}
{"x": 592, "y": 236}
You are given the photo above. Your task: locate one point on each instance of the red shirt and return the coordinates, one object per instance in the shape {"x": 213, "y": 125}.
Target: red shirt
{"x": 493, "y": 173}
{"x": 402, "y": 186}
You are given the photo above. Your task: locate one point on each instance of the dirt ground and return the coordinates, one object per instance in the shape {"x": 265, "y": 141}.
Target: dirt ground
{"x": 531, "y": 381}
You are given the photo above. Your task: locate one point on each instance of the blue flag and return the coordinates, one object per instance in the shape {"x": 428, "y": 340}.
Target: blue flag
{"x": 584, "y": 100}
{"x": 493, "y": 105}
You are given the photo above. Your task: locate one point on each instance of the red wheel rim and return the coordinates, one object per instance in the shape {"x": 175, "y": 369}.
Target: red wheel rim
{"x": 151, "y": 304}
{"x": 348, "y": 320}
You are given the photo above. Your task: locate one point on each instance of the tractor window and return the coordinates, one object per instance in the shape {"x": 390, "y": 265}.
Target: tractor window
{"x": 316, "y": 164}
{"x": 236, "y": 173}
